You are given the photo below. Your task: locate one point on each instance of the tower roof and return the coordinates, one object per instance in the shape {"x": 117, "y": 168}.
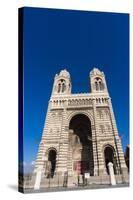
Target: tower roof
{"x": 64, "y": 73}
{"x": 96, "y": 71}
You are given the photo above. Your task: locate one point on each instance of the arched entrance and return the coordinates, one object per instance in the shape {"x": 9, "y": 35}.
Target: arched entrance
{"x": 81, "y": 144}
{"x": 109, "y": 157}
{"x": 52, "y": 162}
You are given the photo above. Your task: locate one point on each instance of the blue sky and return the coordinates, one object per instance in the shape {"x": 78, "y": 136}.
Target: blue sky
{"x": 77, "y": 41}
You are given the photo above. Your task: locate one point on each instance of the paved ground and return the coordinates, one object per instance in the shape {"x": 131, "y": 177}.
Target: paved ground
{"x": 57, "y": 189}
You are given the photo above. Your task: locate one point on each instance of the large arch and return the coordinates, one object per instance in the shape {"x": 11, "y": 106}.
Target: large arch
{"x": 81, "y": 144}
{"x": 86, "y": 113}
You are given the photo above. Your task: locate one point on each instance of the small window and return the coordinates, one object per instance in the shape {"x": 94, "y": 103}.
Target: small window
{"x": 59, "y": 87}
{"x": 99, "y": 84}
{"x": 63, "y": 87}
{"x": 96, "y": 84}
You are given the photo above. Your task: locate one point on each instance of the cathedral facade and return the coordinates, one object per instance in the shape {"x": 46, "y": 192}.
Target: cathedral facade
{"x": 80, "y": 135}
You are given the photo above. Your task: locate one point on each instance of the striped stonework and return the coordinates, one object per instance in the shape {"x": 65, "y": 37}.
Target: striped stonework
{"x": 78, "y": 130}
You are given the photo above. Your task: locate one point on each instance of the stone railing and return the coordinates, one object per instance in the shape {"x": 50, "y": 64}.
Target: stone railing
{"x": 101, "y": 101}
{"x": 78, "y": 102}
{"x": 74, "y": 102}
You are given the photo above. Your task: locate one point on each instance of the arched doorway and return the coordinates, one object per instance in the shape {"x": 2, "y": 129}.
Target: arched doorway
{"x": 81, "y": 144}
{"x": 52, "y": 162}
{"x": 109, "y": 157}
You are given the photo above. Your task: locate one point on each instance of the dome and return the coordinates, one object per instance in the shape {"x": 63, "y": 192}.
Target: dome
{"x": 64, "y": 73}
{"x": 96, "y": 71}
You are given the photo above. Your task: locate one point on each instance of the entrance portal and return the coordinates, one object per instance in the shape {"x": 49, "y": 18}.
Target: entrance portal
{"x": 81, "y": 144}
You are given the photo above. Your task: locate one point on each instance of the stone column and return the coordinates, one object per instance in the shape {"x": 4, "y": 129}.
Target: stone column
{"x": 111, "y": 173}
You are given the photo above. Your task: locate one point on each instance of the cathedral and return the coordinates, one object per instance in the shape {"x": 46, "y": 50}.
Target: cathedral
{"x": 80, "y": 136}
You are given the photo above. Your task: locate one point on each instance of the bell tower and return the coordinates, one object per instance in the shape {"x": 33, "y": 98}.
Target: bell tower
{"x": 62, "y": 83}
{"x": 97, "y": 81}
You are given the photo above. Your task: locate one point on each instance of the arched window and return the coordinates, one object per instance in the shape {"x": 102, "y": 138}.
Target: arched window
{"x": 63, "y": 87}
{"x": 96, "y": 84}
{"x": 59, "y": 87}
{"x": 99, "y": 84}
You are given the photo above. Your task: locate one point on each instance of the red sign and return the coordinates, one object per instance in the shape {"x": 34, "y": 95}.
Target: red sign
{"x": 79, "y": 166}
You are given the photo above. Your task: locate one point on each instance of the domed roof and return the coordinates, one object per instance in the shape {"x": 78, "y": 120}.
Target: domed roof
{"x": 64, "y": 73}
{"x": 96, "y": 71}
